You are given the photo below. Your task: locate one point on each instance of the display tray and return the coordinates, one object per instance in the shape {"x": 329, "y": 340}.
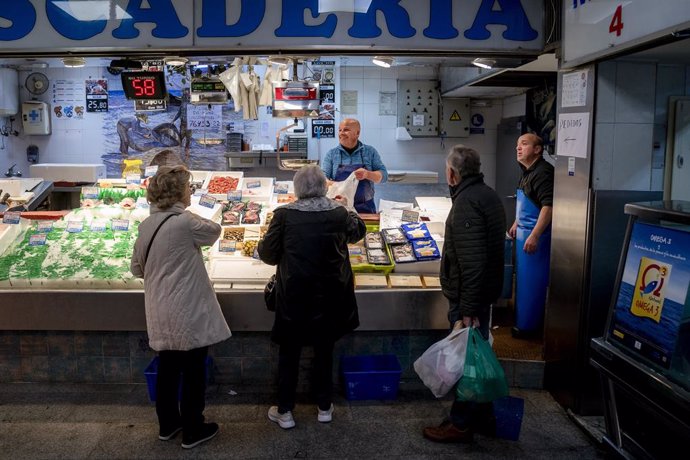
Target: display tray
{"x": 257, "y": 188}
{"x": 221, "y": 189}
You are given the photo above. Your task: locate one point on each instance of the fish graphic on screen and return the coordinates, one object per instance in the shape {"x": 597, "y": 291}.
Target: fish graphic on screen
{"x": 649, "y": 294}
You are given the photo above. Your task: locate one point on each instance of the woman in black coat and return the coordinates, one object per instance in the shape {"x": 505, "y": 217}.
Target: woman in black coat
{"x": 315, "y": 296}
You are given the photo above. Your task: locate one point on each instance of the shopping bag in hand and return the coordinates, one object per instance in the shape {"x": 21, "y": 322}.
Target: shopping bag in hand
{"x": 441, "y": 365}
{"x": 483, "y": 379}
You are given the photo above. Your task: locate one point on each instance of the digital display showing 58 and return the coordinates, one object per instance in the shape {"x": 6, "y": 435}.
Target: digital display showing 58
{"x": 144, "y": 85}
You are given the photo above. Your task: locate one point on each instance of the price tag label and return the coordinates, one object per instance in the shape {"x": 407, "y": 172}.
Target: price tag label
{"x": 89, "y": 193}
{"x": 142, "y": 203}
{"x": 105, "y": 184}
{"x": 75, "y": 226}
{"x": 227, "y": 246}
{"x": 410, "y": 216}
{"x": 281, "y": 188}
{"x": 207, "y": 201}
{"x": 44, "y": 226}
{"x": 150, "y": 171}
{"x": 37, "y": 239}
{"x": 97, "y": 225}
{"x": 121, "y": 225}
{"x": 200, "y": 192}
{"x": 235, "y": 195}
{"x": 11, "y": 217}
{"x": 133, "y": 179}
{"x": 253, "y": 184}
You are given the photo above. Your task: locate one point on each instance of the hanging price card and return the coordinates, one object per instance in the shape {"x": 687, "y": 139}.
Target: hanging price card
{"x": 235, "y": 195}
{"x": 75, "y": 226}
{"x": 150, "y": 171}
{"x": 89, "y": 193}
{"x": 227, "y": 246}
{"x": 44, "y": 226}
{"x": 97, "y": 225}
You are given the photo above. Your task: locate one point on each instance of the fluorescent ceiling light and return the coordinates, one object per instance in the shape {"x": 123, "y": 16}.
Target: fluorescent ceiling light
{"x": 176, "y": 61}
{"x": 74, "y": 61}
{"x": 347, "y": 6}
{"x": 382, "y": 61}
{"x": 484, "y": 63}
{"x": 92, "y": 10}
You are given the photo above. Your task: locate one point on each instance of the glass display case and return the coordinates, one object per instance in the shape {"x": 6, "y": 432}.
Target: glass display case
{"x": 644, "y": 355}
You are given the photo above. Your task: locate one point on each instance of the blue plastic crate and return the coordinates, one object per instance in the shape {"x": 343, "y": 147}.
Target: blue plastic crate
{"x": 151, "y": 373}
{"x": 508, "y": 412}
{"x": 371, "y": 376}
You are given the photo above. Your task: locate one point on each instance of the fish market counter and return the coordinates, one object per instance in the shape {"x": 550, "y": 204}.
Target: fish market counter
{"x": 103, "y": 310}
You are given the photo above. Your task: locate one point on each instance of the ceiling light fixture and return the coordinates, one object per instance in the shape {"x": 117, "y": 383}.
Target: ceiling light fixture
{"x": 484, "y": 63}
{"x": 383, "y": 61}
{"x": 176, "y": 61}
{"x": 74, "y": 61}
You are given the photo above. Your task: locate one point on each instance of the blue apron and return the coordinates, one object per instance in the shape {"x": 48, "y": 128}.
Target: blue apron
{"x": 364, "y": 196}
{"x": 532, "y": 270}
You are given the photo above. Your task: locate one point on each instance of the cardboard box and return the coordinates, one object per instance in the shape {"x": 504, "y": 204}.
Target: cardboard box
{"x": 66, "y": 172}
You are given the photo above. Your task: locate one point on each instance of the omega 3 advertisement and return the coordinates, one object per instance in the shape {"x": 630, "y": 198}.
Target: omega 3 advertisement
{"x": 653, "y": 292}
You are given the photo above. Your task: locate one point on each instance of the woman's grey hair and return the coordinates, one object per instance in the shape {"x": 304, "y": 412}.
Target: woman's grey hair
{"x": 310, "y": 182}
{"x": 464, "y": 161}
{"x": 168, "y": 186}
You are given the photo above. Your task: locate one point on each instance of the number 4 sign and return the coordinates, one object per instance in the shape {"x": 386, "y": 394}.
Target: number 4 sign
{"x": 617, "y": 22}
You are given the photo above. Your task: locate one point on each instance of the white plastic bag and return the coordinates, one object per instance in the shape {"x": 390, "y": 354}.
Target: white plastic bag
{"x": 346, "y": 188}
{"x": 442, "y": 364}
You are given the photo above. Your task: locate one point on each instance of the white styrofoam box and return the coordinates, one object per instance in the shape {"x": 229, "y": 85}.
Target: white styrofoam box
{"x": 67, "y": 172}
{"x": 207, "y": 213}
{"x": 200, "y": 176}
{"x": 257, "y": 188}
{"x": 236, "y": 174}
{"x": 9, "y": 92}
{"x": 239, "y": 269}
{"x": 16, "y": 187}
{"x": 432, "y": 203}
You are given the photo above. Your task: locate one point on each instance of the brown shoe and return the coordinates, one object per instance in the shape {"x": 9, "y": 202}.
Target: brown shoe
{"x": 447, "y": 432}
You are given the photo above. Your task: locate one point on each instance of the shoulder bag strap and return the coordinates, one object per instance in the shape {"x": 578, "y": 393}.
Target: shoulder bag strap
{"x": 148, "y": 248}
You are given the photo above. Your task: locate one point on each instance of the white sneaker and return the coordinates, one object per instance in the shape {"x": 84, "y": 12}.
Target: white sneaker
{"x": 284, "y": 420}
{"x": 326, "y": 416}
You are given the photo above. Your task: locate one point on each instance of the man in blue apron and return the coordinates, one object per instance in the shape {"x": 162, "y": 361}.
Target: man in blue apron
{"x": 532, "y": 234}
{"x": 354, "y": 156}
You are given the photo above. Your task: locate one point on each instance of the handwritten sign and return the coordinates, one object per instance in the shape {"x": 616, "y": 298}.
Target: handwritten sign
{"x": 573, "y": 129}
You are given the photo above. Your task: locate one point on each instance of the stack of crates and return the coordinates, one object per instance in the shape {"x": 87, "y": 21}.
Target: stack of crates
{"x": 234, "y": 142}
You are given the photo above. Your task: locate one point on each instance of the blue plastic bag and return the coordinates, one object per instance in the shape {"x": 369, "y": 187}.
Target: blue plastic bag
{"x": 483, "y": 379}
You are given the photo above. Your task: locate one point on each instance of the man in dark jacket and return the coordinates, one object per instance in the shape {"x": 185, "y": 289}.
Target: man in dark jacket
{"x": 471, "y": 272}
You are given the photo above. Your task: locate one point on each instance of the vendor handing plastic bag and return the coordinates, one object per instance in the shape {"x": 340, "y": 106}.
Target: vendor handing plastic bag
{"x": 346, "y": 189}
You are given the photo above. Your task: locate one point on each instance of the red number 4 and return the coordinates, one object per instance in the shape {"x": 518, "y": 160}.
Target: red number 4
{"x": 617, "y": 22}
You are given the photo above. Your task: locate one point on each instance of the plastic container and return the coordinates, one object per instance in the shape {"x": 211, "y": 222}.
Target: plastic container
{"x": 508, "y": 412}
{"x": 370, "y": 376}
{"x": 151, "y": 373}
{"x": 375, "y": 268}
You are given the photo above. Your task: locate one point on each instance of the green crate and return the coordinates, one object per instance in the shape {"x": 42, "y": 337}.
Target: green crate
{"x": 371, "y": 268}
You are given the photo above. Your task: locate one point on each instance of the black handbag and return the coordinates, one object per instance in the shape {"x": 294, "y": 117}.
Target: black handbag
{"x": 270, "y": 293}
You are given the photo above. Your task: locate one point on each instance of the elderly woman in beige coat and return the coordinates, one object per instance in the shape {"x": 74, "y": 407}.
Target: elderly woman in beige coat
{"x": 183, "y": 316}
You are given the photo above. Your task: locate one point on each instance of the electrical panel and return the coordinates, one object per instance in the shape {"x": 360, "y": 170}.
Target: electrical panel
{"x": 455, "y": 117}
{"x": 418, "y": 107}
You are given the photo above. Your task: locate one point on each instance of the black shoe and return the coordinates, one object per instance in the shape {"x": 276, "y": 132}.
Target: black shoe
{"x": 167, "y": 435}
{"x": 203, "y": 434}
{"x": 523, "y": 334}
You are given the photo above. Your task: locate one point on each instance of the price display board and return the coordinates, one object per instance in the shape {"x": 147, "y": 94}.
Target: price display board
{"x": 322, "y": 128}
{"x": 144, "y": 85}
{"x": 96, "y": 95}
